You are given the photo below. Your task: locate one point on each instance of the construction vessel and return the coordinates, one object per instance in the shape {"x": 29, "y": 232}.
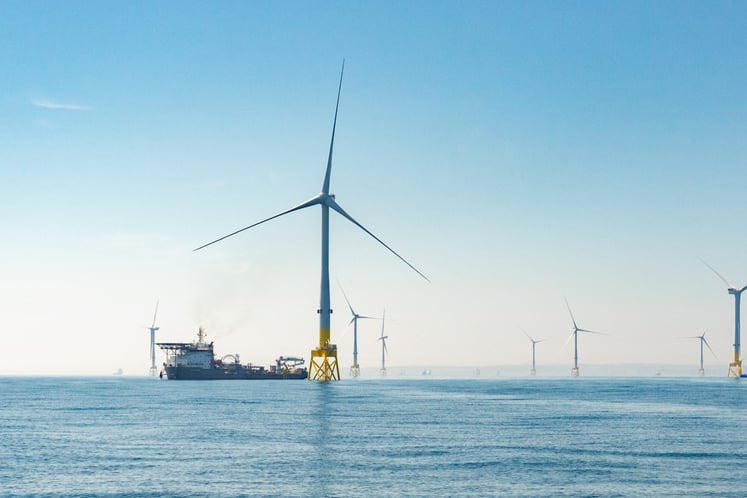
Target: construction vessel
{"x": 197, "y": 361}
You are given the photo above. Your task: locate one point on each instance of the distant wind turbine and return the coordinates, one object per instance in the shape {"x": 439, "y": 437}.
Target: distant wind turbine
{"x": 735, "y": 367}
{"x": 703, "y": 340}
{"x": 574, "y": 334}
{"x": 324, "y": 365}
{"x": 153, "y": 370}
{"x": 355, "y": 369}
{"x": 534, "y": 343}
{"x": 384, "y": 350}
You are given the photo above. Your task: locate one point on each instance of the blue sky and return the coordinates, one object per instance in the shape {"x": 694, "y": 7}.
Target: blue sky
{"x": 515, "y": 152}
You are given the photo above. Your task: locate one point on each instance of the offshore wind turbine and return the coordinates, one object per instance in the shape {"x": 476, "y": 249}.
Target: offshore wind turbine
{"x": 533, "y": 371}
{"x": 574, "y": 334}
{"x": 702, "y": 338}
{"x": 735, "y": 367}
{"x": 355, "y": 369}
{"x": 153, "y": 370}
{"x": 384, "y": 350}
{"x": 323, "y": 365}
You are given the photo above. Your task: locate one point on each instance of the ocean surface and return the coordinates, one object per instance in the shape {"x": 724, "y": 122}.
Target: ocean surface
{"x": 535, "y": 437}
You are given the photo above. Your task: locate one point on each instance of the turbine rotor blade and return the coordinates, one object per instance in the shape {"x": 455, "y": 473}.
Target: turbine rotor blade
{"x": 346, "y": 299}
{"x": 567, "y": 340}
{"x": 717, "y": 274}
{"x": 331, "y": 203}
{"x": 314, "y": 200}
{"x": 154, "y": 315}
{"x": 571, "y": 312}
{"x": 592, "y": 332}
{"x": 528, "y": 336}
{"x": 328, "y": 172}
{"x": 709, "y": 347}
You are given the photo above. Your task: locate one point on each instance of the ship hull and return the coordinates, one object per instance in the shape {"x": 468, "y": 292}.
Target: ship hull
{"x": 192, "y": 373}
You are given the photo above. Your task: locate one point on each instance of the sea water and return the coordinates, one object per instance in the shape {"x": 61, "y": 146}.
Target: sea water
{"x": 141, "y": 437}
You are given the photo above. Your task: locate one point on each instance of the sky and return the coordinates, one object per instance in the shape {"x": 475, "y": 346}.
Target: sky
{"x": 517, "y": 153}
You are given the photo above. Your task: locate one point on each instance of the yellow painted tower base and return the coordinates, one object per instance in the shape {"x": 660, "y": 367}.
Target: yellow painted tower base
{"x": 735, "y": 368}
{"x": 324, "y": 364}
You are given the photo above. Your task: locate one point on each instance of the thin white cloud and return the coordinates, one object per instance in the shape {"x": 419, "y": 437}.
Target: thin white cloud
{"x": 47, "y": 104}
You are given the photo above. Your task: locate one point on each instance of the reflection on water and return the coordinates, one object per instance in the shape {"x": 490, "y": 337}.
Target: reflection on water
{"x": 321, "y": 420}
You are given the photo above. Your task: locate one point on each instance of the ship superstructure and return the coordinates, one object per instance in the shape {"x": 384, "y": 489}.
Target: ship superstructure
{"x": 197, "y": 361}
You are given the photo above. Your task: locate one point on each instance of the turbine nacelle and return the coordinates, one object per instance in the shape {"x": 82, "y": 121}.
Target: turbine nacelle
{"x": 530, "y": 337}
{"x": 703, "y": 341}
{"x": 383, "y": 342}
{"x": 360, "y": 317}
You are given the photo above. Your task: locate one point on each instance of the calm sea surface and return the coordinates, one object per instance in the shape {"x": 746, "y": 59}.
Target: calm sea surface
{"x": 373, "y": 438}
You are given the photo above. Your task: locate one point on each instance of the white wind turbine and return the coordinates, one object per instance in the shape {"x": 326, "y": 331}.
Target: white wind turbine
{"x": 574, "y": 334}
{"x": 703, "y": 340}
{"x": 735, "y": 367}
{"x": 355, "y": 369}
{"x": 324, "y": 358}
{"x": 153, "y": 370}
{"x": 533, "y": 371}
{"x": 384, "y": 350}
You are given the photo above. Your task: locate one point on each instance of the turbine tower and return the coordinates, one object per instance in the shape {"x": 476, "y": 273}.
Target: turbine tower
{"x": 323, "y": 365}
{"x": 574, "y": 334}
{"x": 384, "y": 351}
{"x": 153, "y": 371}
{"x": 533, "y": 371}
{"x": 355, "y": 369}
{"x": 735, "y": 367}
{"x": 702, "y": 338}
